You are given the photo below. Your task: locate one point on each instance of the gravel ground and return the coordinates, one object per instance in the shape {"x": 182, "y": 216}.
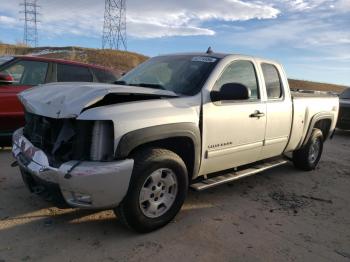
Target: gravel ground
{"x": 279, "y": 215}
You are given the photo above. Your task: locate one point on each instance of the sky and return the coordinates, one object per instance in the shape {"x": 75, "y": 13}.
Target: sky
{"x": 311, "y": 38}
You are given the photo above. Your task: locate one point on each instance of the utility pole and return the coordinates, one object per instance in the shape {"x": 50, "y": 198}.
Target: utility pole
{"x": 30, "y": 11}
{"x": 114, "y": 27}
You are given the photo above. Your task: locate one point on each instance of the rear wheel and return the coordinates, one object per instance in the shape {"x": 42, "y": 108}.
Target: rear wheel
{"x": 157, "y": 190}
{"x": 307, "y": 157}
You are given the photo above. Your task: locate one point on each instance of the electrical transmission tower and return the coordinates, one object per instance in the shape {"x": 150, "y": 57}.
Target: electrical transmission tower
{"x": 114, "y": 27}
{"x": 30, "y": 11}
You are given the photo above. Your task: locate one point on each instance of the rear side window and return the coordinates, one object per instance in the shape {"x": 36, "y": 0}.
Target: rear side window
{"x": 240, "y": 72}
{"x": 25, "y": 72}
{"x": 104, "y": 76}
{"x": 72, "y": 73}
{"x": 272, "y": 81}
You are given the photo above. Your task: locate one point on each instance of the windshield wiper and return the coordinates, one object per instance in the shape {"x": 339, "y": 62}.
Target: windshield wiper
{"x": 156, "y": 86}
{"x": 120, "y": 82}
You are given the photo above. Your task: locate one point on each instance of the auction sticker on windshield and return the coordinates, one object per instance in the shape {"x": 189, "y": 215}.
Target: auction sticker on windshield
{"x": 203, "y": 59}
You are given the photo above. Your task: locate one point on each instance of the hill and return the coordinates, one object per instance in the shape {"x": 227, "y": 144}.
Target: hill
{"x": 120, "y": 61}
{"x": 309, "y": 85}
{"x": 123, "y": 61}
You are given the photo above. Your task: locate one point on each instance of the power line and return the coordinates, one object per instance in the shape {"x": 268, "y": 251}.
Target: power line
{"x": 114, "y": 27}
{"x": 30, "y": 11}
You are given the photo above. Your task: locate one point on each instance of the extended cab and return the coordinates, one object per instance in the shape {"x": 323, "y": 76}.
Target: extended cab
{"x": 19, "y": 73}
{"x": 176, "y": 121}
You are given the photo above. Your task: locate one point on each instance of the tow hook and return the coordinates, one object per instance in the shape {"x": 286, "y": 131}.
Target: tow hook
{"x": 68, "y": 175}
{"x": 14, "y": 164}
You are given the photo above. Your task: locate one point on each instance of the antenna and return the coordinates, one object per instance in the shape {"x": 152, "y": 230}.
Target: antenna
{"x": 30, "y": 11}
{"x": 114, "y": 27}
{"x": 209, "y": 51}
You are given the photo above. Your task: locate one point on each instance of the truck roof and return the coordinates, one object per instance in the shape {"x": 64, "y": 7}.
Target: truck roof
{"x": 215, "y": 55}
{"x": 222, "y": 55}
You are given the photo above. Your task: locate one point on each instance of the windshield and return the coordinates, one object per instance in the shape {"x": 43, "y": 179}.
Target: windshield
{"x": 182, "y": 74}
{"x": 345, "y": 94}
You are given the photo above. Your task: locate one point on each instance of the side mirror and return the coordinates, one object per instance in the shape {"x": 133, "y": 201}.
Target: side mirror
{"x": 231, "y": 91}
{"x": 6, "y": 79}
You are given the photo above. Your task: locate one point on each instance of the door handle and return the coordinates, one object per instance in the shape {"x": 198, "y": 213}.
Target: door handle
{"x": 257, "y": 114}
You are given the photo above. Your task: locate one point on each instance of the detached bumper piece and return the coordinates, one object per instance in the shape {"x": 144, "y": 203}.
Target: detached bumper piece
{"x": 49, "y": 191}
{"x": 84, "y": 184}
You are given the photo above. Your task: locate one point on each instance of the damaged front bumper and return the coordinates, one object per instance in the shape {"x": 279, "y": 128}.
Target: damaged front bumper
{"x": 84, "y": 184}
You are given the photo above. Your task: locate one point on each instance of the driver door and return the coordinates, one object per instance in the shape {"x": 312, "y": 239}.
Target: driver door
{"x": 234, "y": 131}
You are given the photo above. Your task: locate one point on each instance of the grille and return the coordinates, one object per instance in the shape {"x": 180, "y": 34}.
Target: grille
{"x": 61, "y": 139}
{"x": 42, "y": 132}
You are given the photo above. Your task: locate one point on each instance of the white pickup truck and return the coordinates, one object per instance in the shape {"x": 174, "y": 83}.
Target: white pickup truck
{"x": 176, "y": 121}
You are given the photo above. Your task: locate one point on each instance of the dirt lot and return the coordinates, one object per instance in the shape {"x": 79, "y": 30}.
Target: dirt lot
{"x": 279, "y": 215}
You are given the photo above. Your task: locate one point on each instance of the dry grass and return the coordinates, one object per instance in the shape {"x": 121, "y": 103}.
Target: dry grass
{"x": 121, "y": 61}
{"x": 6, "y": 49}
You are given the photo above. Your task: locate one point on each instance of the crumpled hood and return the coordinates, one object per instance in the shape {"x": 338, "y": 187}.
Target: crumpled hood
{"x": 67, "y": 100}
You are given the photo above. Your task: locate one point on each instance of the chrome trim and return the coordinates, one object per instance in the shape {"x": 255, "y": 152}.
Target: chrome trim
{"x": 84, "y": 184}
{"x": 230, "y": 150}
{"x": 232, "y": 176}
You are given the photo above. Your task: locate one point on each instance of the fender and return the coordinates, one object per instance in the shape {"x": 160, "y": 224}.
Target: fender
{"x": 314, "y": 120}
{"x": 133, "y": 139}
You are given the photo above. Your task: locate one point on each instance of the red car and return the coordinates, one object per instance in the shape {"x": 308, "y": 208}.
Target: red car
{"x": 22, "y": 72}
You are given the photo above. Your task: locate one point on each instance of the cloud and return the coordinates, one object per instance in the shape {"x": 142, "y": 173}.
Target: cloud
{"x": 184, "y": 11}
{"x": 160, "y": 18}
{"x": 156, "y": 30}
{"x": 7, "y": 21}
{"x": 164, "y": 18}
{"x": 323, "y": 67}
{"x": 333, "y": 37}
{"x": 343, "y": 6}
{"x": 299, "y": 31}
{"x": 149, "y": 19}
{"x": 306, "y": 5}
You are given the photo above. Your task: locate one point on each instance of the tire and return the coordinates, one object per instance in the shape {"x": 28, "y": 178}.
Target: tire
{"x": 154, "y": 171}
{"x": 307, "y": 157}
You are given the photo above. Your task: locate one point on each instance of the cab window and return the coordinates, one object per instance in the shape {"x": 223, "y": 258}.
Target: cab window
{"x": 240, "y": 72}
{"x": 73, "y": 73}
{"x": 104, "y": 76}
{"x": 272, "y": 81}
{"x": 25, "y": 72}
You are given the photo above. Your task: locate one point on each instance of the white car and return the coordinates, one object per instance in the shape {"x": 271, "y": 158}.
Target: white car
{"x": 176, "y": 121}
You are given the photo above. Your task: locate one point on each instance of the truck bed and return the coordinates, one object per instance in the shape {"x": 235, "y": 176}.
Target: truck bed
{"x": 306, "y": 108}
{"x": 298, "y": 93}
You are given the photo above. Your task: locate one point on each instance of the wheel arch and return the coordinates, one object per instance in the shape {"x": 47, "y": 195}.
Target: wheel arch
{"x": 322, "y": 121}
{"x": 182, "y": 138}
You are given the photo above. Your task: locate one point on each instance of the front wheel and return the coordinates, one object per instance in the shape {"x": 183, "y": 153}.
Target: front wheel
{"x": 157, "y": 190}
{"x": 307, "y": 157}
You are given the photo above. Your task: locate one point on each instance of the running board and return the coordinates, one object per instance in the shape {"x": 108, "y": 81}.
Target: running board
{"x": 234, "y": 175}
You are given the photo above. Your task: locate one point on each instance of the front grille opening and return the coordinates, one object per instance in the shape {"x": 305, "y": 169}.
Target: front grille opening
{"x": 70, "y": 139}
